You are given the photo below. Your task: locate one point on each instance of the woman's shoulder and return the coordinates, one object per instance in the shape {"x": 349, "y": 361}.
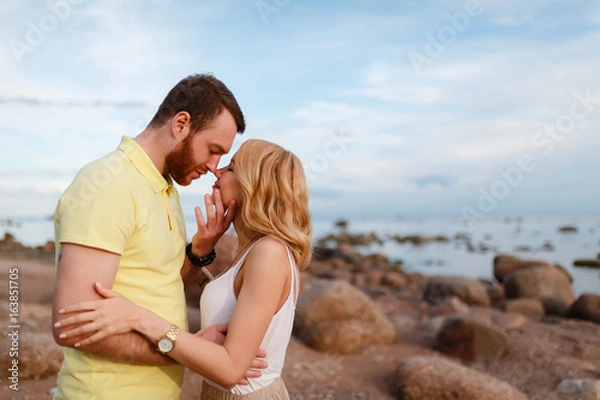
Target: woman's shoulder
{"x": 271, "y": 246}
{"x": 268, "y": 249}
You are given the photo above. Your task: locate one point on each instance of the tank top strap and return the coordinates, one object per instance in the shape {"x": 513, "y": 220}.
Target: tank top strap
{"x": 239, "y": 262}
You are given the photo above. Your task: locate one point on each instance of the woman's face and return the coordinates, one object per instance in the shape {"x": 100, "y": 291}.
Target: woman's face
{"x": 228, "y": 185}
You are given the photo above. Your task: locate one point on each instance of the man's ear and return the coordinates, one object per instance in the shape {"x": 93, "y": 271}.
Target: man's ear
{"x": 180, "y": 125}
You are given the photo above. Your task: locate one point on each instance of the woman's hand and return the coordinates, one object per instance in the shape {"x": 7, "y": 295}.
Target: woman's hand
{"x": 217, "y": 223}
{"x": 114, "y": 314}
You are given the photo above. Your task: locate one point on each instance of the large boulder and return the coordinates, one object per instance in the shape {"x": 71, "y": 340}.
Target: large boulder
{"x": 587, "y": 307}
{"x": 420, "y": 378}
{"x": 336, "y": 317}
{"x": 504, "y": 265}
{"x": 470, "y": 291}
{"x": 548, "y": 285}
{"x": 471, "y": 339}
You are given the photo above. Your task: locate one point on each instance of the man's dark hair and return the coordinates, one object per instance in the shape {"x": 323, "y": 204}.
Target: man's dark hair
{"x": 203, "y": 96}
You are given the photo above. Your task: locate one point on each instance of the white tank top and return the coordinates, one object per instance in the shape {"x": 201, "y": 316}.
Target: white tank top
{"x": 216, "y": 306}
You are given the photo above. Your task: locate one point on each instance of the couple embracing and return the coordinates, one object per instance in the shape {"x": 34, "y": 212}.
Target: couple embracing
{"x": 122, "y": 259}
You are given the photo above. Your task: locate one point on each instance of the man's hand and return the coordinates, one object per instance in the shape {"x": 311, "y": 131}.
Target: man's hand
{"x": 216, "y": 334}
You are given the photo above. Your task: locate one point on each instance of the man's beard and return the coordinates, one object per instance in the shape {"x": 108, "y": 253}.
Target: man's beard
{"x": 180, "y": 161}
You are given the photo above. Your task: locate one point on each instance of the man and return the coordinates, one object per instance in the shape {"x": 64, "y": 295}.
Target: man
{"x": 120, "y": 223}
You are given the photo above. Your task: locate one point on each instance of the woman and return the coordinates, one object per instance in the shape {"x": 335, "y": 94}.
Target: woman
{"x": 256, "y": 295}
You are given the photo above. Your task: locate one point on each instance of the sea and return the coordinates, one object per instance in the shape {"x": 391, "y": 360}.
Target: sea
{"x": 526, "y": 237}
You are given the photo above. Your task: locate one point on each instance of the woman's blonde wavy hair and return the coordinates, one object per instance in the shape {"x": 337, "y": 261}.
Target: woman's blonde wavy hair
{"x": 275, "y": 196}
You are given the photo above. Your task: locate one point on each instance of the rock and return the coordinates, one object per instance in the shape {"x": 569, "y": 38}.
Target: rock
{"x": 496, "y": 293}
{"x": 394, "y": 280}
{"x": 374, "y": 278}
{"x": 337, "y": 317}
{"x": 567, "y": 228}
{"x": 531, "y": 308}
{"x": 548, "y": 285}
{"x": 587, "y": 307}
{"x": 39, "y": 356}
{"x": 587, "y": 263}
{"x": 508, "y": 321}
{"x": 416, "y": 281}
{"x": 418, "y": 240}
{"x": 470, "y": 291}
{"x": 421, "y": 378}
{"x": 452, "y": 305}
{"x": 505, "y": 265}
{"x": 376, "y": 261}
{"x": 579, "y": 389}
{"x": 471, "y": 340}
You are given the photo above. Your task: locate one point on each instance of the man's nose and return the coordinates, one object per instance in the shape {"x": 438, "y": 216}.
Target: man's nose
{"x": 218, "y": 172}
{"x": 212, "y": 163}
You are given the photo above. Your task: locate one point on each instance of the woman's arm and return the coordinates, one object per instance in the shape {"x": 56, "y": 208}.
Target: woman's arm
{"x": 265, "y": 282}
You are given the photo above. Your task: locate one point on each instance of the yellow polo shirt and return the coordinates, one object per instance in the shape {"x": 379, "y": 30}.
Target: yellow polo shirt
{"x": 122, "y": 204}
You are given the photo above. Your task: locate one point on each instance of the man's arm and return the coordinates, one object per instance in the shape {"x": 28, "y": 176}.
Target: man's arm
{"x": 79, "y": 267}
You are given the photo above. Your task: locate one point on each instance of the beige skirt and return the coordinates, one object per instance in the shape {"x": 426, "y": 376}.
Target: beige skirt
{"x": 275, "y": 391}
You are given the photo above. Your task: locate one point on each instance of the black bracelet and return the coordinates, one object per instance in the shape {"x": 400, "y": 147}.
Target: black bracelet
{"x": 199, "y": 261}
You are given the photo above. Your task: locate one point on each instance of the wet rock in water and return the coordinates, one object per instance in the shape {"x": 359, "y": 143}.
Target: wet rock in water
{"x": 418, "y": 240}
{"x": 421, "y": 377}
{"x": 567, "y": 228}
{"x": 470, "y": 291}
{"x": 587, "y": 263}
{"x": 586, "y": 307}
{"x": 549, "y": 285}
{"x": 339, "y": 318}
{"x": 471, "y": 339}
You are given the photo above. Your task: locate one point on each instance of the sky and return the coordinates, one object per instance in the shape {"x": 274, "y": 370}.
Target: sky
{"x": 396, "y": 108}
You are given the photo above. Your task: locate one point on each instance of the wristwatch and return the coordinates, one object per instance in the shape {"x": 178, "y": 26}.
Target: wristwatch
{"x": 167, "y": 342}
{"x": 199, "y": 261}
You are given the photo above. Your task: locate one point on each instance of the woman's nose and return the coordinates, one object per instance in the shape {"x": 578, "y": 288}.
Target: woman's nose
{"x": 218, "y": 172}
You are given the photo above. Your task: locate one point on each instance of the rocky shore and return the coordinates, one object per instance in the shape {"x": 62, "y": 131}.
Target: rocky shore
{"x": 366, "y": 329}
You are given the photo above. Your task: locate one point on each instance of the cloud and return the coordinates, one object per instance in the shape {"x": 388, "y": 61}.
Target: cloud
{"x": 33, "y": 102}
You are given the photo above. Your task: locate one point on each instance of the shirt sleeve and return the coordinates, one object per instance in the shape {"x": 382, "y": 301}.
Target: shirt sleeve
{"x": 97, "y": 210}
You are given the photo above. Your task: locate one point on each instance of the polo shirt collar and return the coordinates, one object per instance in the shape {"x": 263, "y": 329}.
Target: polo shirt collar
{"x": 141, "y": 161}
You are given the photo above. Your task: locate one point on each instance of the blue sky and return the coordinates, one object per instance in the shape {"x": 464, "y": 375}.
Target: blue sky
{"x": 396, "y": 108}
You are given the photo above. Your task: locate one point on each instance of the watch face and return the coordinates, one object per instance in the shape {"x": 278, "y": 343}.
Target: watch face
{"x": 165, "y": 345}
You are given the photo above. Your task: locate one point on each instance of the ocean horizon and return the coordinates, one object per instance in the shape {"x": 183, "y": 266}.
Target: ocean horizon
{"x": 533, "y": 238}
